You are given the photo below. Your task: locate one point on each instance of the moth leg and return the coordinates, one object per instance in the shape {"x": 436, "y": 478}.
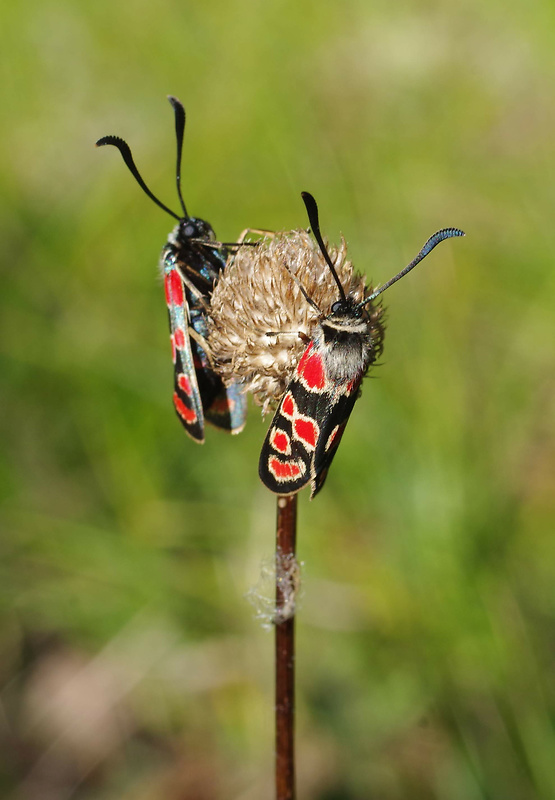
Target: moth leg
{"x": 219, "y": 245}
{"x": 240, "y": 243}
{"x": 256, "y": 231}
{"x": 243, "y": 235}
{"x": 202, "y": 343}
{"x": 240, "y": 240}
{"x": 199, "y": 298}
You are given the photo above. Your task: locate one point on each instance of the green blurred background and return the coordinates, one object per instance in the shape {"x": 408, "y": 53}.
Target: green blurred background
{"x": 131, "y": 665}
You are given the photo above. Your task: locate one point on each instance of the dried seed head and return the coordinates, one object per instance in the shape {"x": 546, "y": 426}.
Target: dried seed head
{"x": 259, "y": 313}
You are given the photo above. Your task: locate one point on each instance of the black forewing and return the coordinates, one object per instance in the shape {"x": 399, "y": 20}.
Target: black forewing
{"x": 284, "y": 466}
{"x": 330, "y": 435}
{"x": 304, "y": 422}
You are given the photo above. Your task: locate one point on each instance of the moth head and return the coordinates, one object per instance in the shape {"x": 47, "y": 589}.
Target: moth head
{"x": 194, "y": 228}
{"x": 346, "y": 308}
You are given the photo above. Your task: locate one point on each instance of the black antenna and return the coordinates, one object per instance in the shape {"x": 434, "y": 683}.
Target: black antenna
{"x": 312, "y": 211}
{"x": 439, "y": 236}
{"x": 123, "y": 147}
{"x": 179, "y": 133}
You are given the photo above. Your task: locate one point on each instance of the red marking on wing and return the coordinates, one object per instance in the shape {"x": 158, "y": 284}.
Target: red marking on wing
{"x": 335, "y": 436}
{"x": 280, "y": 441}
{"x": 311, "y": 370}
{"x": 306, "y": 430}
{"x": 179, "y": 338}
{"x": 222, "y": 405}
{"x": 288, "y": 406}
{"x": 187, "y": 414}
{"x": 167, "y": 289}
{"x": 185, "y": 384}
{"x": 174, "y": 289}
{"x": 284, "y": 470}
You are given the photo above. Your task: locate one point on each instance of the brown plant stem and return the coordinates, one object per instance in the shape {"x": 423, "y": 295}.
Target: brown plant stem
{"x": 286, "y": 534}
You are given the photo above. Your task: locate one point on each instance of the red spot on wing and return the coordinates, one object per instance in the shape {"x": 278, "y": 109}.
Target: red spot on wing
{"x": 284, "y": 470}
{"x": 167, "y": 289}
{"x": 288, "y": 406}
{"x": 187, "y": 414}
{"x": 311, "y": 370}
{"x": 335, "y": 436}
{"x": 223, "y": 405}
{"x": 179, "y": 338}
{"x": 174, "y": 289}
{"x": 280, "y": 441}
{"x": 185, "y": 384}
{"x": 306, "y": 430}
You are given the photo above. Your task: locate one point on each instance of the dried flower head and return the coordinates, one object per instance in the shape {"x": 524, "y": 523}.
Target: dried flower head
{"x": 260, "y": 319}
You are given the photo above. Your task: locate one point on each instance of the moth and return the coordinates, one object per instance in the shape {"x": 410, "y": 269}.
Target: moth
{"x": 308, "y": 425}
{"x": 191, "y": 263}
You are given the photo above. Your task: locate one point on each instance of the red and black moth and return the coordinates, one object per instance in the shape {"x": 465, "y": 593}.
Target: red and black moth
{"x": 191, "y": 263}
{"x": 308, "y": 425}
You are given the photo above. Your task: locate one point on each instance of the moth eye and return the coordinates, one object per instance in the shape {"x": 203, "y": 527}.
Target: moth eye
{"x": 337, "y": 306}
{"x": 189, "y": 230}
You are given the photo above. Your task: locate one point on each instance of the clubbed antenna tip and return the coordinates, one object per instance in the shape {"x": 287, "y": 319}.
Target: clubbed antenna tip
{"x": 125, "y": 151}
{"x": 433, "y": 241}
{"x": 312, "y": 211}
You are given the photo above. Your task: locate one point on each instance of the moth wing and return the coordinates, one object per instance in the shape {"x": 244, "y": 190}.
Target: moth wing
{"x": 224, "y": 407}
{"x": 307, "y": 427}
{"x": 285, "y": 461}
{"x": 331, "y": 432}
{"x": 287, "y": 457}
{"x": 228, "y": 410}
{"x": 186, "y": 397}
